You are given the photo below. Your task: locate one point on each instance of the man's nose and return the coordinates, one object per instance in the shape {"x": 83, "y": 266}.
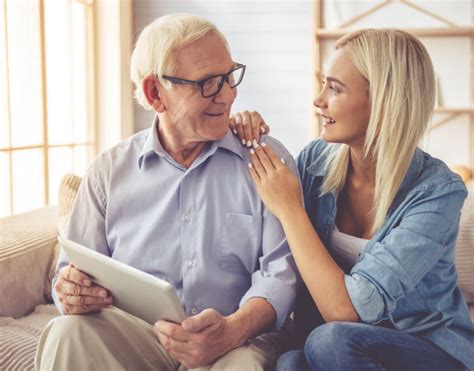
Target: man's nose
{"x": 226, "y": 94}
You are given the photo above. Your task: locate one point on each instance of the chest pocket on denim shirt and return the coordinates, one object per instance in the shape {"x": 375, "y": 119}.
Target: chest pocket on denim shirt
{"x": 241, "y": 242}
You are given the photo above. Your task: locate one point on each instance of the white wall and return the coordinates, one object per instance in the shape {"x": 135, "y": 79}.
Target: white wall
{"x": 273, "y": 38}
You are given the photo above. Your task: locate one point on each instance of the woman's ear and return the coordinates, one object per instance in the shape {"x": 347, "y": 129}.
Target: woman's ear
{"x": 152, "y": 89}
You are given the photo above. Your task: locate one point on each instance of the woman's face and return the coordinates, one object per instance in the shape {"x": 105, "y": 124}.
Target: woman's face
{"x": 344, "y": 102}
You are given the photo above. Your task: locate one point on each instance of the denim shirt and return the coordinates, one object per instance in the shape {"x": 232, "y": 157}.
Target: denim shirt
{"x": 405, "y": 278}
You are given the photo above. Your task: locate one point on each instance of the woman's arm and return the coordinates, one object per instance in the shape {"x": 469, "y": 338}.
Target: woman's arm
{"x": 280, "y": 191}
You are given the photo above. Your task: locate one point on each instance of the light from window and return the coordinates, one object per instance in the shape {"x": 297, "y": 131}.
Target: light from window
{"x": 46, "y": 85}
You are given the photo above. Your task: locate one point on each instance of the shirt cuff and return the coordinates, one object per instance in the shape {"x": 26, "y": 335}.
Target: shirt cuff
{"x": 55, "y": 297}
{"x": 281, "y": 296}
{"x": 365, "y": 297}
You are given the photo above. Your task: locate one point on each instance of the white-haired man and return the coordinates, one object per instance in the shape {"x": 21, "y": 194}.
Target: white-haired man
{"x": 177, "y": 201}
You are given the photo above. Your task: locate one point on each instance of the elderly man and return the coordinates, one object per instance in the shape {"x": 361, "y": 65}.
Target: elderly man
{"x": 177, "y": 201}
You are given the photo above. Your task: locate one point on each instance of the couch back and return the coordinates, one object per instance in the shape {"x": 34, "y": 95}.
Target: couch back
{"x": 28, "y": 251}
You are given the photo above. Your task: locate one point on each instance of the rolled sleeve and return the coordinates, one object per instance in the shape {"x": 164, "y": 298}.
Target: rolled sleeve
{"x": 280, "y": 294}
{"x": 367, "y": 301}
{"x": 276, "y": 281}
{"x": 392, "y": 268}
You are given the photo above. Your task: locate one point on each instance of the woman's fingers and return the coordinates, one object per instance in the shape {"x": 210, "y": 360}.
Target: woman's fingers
{"x": 276, "y": 161}
{"x": 264, "y": 161}
{"x": 247, "y": 127}
{"x": 232, "y": 125}
{"x": 253, "y": 174}
{"x": 263, "y": 158}
{"x": 256, "y": 125}
{"x": 257, "y": 165}
{"x": 238, "y": 127}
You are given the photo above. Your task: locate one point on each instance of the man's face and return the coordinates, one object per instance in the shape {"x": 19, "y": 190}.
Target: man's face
{"x": 194, "y": 118}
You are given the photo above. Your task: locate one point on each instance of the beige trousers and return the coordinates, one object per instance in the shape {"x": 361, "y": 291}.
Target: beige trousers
{"x": 114, "y": 340}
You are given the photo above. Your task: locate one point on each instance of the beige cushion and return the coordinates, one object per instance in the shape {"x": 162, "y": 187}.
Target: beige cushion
{"x": 26, "y": 246}
{"x": 67, "y": 194}
{"x": 18, "y": 338}
{"x": 465, "y": 246}
{"x": 28, "y": 253}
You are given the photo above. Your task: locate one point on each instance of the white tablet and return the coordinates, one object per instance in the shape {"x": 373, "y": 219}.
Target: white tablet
{"x": 134, "y": 291}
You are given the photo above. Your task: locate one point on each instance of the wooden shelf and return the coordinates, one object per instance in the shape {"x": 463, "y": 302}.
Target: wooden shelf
{"x": 453, "y": 110}
{"x": 325, "y": 34}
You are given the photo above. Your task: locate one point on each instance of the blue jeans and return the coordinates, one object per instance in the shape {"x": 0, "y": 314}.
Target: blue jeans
{"x": 356, "y": 346}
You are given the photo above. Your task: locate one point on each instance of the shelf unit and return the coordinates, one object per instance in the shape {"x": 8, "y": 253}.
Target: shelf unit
{"x": 321, "y": 34}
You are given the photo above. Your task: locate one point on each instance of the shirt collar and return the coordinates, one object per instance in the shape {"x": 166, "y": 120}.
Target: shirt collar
{"x": 318, "y": 167}
{"x": 229, "y": 143}
{"x": 152, "y": 145}
{"x": 413, "y": 171}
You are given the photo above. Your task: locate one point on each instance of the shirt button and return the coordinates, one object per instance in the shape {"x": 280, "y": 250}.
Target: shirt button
{"x": 194, "y": 311}
{"x": 190, "y": 264}
{"x": 187, "y": 218}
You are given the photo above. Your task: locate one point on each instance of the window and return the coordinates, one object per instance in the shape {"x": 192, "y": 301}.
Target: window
{"x": 46, "y": 98}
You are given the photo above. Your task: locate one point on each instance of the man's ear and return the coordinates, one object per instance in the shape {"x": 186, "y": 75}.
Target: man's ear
{"x": 152, "y": 89}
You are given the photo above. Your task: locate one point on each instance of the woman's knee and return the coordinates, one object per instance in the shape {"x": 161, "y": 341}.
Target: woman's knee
{"x": 292, "y": 360}
{"x": 325, "y": 342}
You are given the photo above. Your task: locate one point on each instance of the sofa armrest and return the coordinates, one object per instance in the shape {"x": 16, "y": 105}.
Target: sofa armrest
{"x": 27, "y": 243}
{"x": 465, "y": 246}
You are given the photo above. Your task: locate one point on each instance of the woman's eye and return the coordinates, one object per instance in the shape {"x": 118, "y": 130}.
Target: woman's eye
{"x": 334, "y": 88}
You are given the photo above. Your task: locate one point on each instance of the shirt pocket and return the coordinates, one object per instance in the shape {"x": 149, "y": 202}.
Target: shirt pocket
{"x": 241, "y": 242}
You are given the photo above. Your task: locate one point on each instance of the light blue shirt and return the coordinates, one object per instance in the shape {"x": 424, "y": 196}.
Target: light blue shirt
{"x": 203, "y": 229}
{"x": 405, "y": 278}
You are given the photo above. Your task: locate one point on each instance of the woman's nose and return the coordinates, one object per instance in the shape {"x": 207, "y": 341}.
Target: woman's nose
{"x": 320, "y": 100}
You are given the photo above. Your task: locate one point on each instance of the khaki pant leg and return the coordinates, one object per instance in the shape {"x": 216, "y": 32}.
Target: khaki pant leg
{"x": 258, "y": 354}
{"x": 108, "y": 340}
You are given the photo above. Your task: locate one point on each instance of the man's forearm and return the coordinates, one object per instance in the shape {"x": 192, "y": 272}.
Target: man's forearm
{"x": 252, "y": 319}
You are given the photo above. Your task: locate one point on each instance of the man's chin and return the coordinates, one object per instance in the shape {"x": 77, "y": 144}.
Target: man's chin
{"x": 221, "y": 134}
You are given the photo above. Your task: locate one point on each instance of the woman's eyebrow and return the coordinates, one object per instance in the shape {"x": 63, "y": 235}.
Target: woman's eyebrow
{"x": 329, "y": 78}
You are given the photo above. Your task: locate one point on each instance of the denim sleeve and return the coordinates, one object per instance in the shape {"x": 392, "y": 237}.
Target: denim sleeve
{"x": 276, "y": 280}
{"x": 393, "y": 267}
{"x": 85, "y": 224}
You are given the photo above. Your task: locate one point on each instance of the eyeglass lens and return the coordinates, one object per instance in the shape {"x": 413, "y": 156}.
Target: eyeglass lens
{"x": 213, "y": 85}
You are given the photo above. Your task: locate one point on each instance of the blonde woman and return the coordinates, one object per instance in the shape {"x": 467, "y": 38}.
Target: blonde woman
{"x": 374, "y": 240}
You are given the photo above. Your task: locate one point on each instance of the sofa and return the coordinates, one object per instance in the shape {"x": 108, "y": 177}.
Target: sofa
{"x": 28, "y": 251}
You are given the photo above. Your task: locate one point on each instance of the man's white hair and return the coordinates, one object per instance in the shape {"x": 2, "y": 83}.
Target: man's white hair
{"x": 155, "y": 48}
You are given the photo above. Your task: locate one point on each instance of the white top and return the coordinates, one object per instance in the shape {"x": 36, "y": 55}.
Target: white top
{"x": 346, "y": 248}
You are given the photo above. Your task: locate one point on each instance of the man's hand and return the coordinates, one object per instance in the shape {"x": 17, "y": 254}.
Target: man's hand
{"x": 199, "y": 340}
{"x": 78, "y": 294}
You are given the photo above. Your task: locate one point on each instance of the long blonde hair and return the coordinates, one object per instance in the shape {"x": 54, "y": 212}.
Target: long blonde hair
{"x": 401, "y": 81}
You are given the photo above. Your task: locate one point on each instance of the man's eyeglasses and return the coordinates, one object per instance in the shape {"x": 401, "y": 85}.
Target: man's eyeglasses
{"x": 212, "y": 85}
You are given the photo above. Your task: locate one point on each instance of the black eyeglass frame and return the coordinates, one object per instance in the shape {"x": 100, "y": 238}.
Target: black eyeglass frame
{"x": 224, "y": 78}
